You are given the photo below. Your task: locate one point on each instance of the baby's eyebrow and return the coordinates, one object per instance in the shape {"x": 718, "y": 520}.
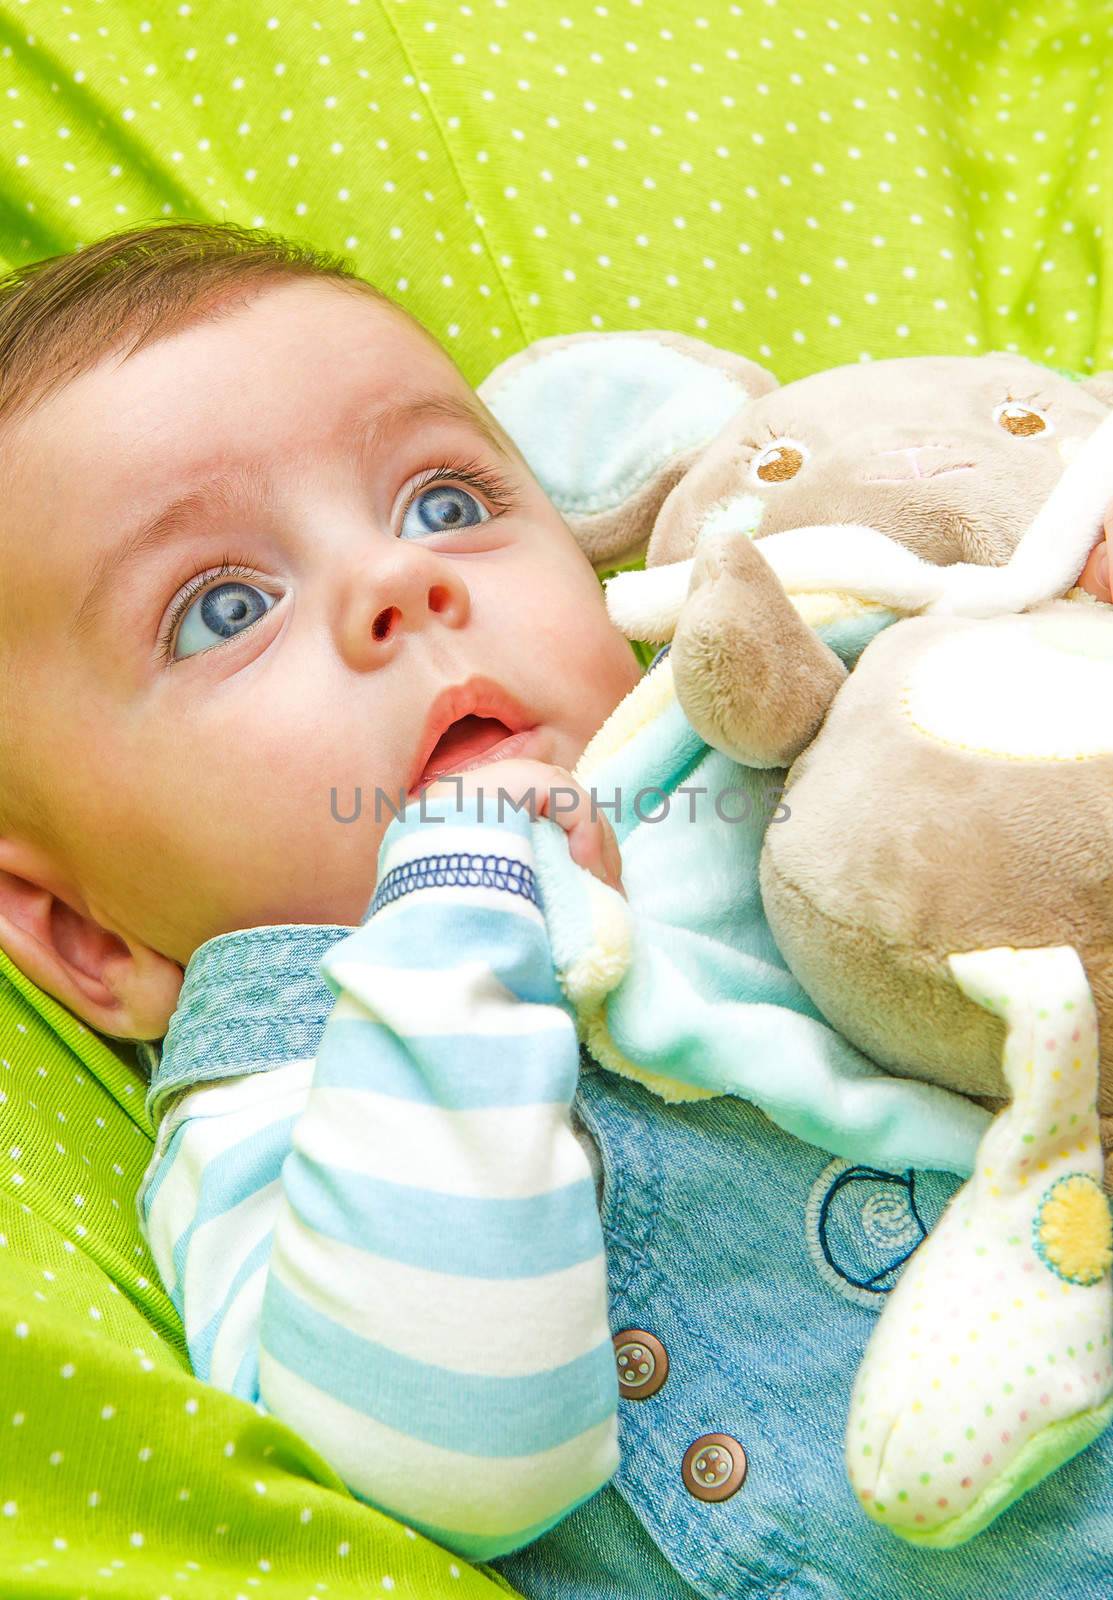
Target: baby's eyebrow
{"x": 221, "y": 489}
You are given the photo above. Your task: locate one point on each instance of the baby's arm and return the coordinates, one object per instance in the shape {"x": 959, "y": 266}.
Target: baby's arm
{"x": 409, "y": 1271}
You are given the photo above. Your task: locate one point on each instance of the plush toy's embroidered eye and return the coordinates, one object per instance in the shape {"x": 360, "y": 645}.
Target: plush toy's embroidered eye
{"x": 1020, "y": 419}
{"x": 778, "y": 461}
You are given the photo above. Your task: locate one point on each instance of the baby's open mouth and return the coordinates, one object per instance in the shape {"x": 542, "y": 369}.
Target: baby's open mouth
{"x": 464, "y": 743}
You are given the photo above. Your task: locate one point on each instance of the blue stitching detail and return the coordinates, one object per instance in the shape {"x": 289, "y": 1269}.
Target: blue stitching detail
{"x": 852, "y": 1175}
{"x": 460, "y": 868}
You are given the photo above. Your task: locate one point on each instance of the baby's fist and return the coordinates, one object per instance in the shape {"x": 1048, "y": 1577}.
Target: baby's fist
{"x": 544, "y": 790}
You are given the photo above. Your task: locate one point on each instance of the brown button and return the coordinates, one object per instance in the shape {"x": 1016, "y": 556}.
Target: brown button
{"x": 714, "y": 1466}
{"x": 643, "y": 1363}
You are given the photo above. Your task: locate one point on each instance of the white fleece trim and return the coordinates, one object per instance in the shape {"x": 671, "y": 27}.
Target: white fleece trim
{"x": 647, "y": 604}
{"x": 857, "y": 560}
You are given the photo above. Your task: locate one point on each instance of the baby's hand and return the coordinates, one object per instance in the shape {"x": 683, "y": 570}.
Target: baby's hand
{"x": 544, "y": 790}
{"x": 1095, "y": 576}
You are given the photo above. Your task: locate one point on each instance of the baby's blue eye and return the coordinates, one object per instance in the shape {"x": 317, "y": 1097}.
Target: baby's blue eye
{"x": 442, "y": 510}
{"x": 222, "y": 611}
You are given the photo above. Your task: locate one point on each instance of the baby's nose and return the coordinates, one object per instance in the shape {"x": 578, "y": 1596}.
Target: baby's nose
{"x": 445, "y": 600}
{"x": 386, "y": 601}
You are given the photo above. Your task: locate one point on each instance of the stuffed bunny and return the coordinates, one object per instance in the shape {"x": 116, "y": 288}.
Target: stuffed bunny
{"x": 941, "y": 890}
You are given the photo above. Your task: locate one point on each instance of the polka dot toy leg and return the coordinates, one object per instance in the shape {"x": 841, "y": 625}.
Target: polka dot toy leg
{"x": 991, "y": 1363}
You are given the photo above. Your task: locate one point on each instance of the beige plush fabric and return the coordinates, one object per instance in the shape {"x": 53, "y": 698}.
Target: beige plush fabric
{"x": 918, "y": 449}
{"x": 899, "y": 851}
{"x": 927, "y": 820}
{"x": 913, "y": 447}
{"x": 771, "y": 703}
{"x": 620, "y": 533}
{"x": 904, "y": 846}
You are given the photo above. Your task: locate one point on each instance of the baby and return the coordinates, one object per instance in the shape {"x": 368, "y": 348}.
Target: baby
{"x": 278, "y": 574}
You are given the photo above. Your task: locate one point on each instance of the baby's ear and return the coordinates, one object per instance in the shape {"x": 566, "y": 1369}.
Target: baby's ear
{"x": 1100, "y": 386}
{"x": 608, "y": 423}
{"x": 120, "y": 988}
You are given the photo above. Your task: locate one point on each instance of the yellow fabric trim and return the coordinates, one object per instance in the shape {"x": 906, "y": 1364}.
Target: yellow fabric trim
{"x": 644, "y": 704}
{"x": 603, "y": 964}
{"x": 601, "y": 967}
{"x": 604, "y": 1050}
{"x": 830, "y": 606}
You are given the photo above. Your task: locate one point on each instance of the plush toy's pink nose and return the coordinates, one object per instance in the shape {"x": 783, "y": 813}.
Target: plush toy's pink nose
{"x": 915, "y": 461}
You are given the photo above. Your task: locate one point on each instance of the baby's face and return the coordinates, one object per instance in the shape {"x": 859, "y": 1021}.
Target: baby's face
{"x": 192, "y": 722}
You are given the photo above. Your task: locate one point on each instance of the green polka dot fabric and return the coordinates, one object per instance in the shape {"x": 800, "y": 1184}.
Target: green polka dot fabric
{"x": 805, "y": 181}
{"x": 120, "y": 1473}
{"x": 808, "y": 182}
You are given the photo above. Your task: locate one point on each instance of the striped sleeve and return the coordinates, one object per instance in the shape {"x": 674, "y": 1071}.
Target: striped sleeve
{"x": 395, "y": 1246}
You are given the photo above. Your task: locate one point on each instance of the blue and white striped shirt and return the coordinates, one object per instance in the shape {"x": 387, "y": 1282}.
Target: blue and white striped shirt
{"x": 393, "y": 1243}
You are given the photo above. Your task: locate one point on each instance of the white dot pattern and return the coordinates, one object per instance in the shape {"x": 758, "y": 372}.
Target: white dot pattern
{"x": 809, "y": 189}
{"x": 806, "y": 188}
{"x": 115, "y": 1462}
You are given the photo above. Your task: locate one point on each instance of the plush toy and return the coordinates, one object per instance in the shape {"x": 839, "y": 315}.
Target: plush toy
{"x": 942, "y": 888}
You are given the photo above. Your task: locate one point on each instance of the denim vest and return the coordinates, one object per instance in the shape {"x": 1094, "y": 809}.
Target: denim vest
{"x": 760, "y": 1263}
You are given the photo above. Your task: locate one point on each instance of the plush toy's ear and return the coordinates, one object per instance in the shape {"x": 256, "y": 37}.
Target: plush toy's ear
{"x": 608, "y": 423}
{"x": 1100, "y": 386}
